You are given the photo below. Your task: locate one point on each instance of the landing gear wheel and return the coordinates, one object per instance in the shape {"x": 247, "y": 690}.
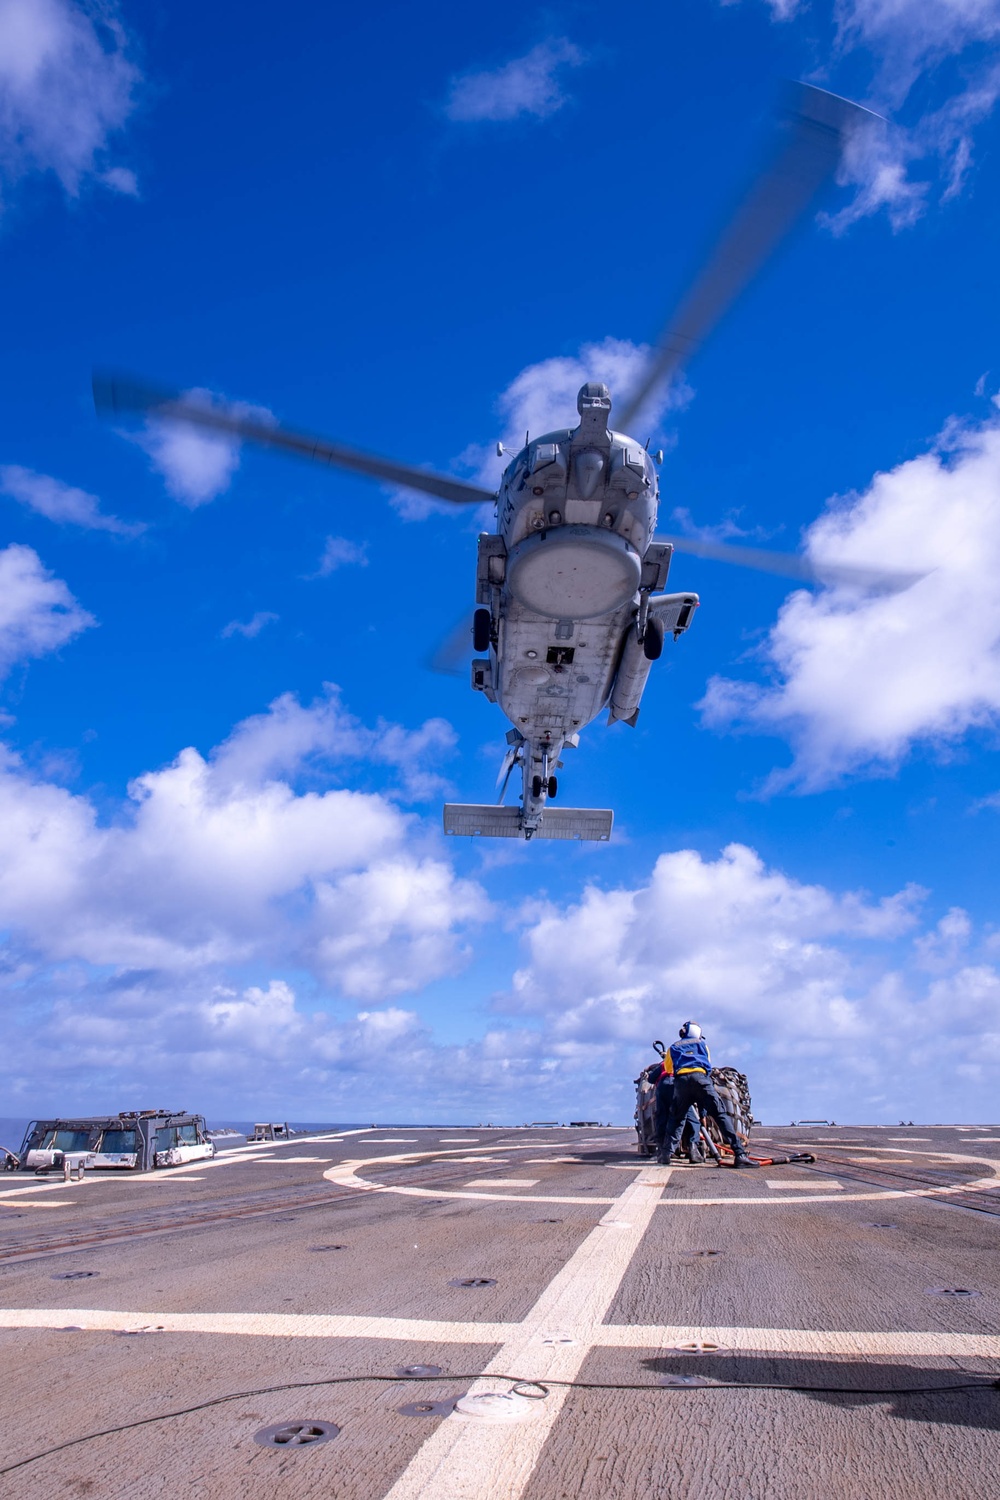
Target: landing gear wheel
{"x": 553, "y": 787}
{"x": 536, "y": 786}
{"x": 481, "y": 627}
{"x": 652, "y": 641}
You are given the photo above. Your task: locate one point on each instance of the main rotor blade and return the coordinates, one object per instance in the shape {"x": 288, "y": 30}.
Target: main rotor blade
{"x": 788, "y": 565}
{"x": 117, "y": 394}
{"x": 818, "y": 126}
{"x": 452, "y": 655}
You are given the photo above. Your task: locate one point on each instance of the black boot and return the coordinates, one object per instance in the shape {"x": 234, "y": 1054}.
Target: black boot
{"x": 740, "y": 1159}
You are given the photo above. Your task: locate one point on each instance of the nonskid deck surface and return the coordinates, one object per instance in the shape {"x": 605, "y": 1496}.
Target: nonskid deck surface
{"x": 541, "y": 1255}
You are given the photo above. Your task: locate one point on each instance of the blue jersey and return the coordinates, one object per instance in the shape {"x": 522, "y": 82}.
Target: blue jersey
{"x": 689, "y": 1056}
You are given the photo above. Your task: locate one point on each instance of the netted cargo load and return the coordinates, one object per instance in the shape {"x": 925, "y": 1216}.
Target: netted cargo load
{"x": 731, "y": 1086}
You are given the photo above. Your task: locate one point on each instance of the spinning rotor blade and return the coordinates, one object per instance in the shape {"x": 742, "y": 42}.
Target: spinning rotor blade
{"x": 117, "y": 394}
{"x": 818, "y": 126}
{"x": 788, "y": 565}
{"x": 452, "y": 654}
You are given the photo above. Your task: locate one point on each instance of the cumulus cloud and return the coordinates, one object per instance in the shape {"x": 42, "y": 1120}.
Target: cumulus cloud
{"x": 67, "y": 86}
{"x": 196, "y": 466}
{"x": 210, "y": 931}
{"x": 828, "y": 1000}
{"x": 249, "y": 628}
{"x": 60, "y": 502}
{"x": 528, "y": 85}
{"x": 339, "y": 552}
{"x": 856, "y": 681}
{"x": 221, "y": 860}
{"x": 38, "y": 614}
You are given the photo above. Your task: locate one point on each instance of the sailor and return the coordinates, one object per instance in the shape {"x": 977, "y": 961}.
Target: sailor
{"x": 689, "y": 1063}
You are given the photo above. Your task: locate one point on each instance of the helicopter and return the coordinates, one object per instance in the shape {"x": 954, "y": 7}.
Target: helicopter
{"x": 571, "y": 609}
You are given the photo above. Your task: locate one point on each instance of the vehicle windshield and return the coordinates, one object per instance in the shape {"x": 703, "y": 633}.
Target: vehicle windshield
{"x": 113, "y": 1141}
{"x": 66, "y": 1140}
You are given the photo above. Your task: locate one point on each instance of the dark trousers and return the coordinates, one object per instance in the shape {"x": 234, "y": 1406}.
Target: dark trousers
{"x": 664, "y": 1103}
{"x": 696, "y": 1089}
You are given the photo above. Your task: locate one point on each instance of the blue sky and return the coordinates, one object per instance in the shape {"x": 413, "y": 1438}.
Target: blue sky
{"x": 222, "y": 877}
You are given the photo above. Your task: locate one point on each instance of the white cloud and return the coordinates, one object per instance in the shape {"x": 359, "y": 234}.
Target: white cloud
{"x": 339, "y": 552}
{"x": 60, "y": 502}
{"x": 38, "y": 614}
{"x": 67, "y": 86}
{"x": 196, "y": 466}
{"x": 221, "y": 861}
{"x": 528, "y": 85}
{"x": 824, "y": 999}
{"x": 857, "y": 680}
{"x": 249, "y": 628}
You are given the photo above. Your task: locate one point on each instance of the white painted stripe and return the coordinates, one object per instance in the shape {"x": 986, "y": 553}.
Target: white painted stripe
{"x": 467, "y": 1460}
{"x": 806, "y": 1187}
{"x": 265, "y": 1325}
{"x": 808, "y": 1341}
{"x": 280, "y": 1160}
{"x": 41, "y": 1187}
{"x": 908, "y": 1138}
{"x": 602, "y": 1335}
{"x": 491, "y": 1182}
{"x": 31, "y": 1203}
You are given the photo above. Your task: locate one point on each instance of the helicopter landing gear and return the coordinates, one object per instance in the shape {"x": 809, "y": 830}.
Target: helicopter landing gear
{"x": 652, "y": 638}
{"x": 553, "y": 787}
{"x": 482, "y": 626}
{"x": 536, "y": 786}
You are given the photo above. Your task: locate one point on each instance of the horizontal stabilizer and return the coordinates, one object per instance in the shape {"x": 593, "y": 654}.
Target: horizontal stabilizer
{"x": 488, "y": 821}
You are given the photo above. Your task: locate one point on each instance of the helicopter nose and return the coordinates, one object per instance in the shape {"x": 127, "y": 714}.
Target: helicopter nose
{"x": 587, "y": 470}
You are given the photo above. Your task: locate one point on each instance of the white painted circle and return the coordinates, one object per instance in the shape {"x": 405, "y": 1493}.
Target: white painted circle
{"x": 498, "y": 1406}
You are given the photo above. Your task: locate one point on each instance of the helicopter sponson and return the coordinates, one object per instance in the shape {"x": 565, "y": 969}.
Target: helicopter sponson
{"x": 570, "y": 612}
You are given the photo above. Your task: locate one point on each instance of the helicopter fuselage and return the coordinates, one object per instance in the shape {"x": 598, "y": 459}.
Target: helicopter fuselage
{"x": 571, "y": 580}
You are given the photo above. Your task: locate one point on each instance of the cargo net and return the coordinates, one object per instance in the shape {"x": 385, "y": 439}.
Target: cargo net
{"x": 733, "y": 1090}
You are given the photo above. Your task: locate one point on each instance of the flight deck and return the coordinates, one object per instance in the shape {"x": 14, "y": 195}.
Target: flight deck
{"x": 487, "y": 1314}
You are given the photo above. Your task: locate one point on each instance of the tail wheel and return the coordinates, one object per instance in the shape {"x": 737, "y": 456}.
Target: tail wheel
{"x": 553, "y": 787}
{"x": 536, "y": 786}
{"x": 482, "y": 626}
{"x": 652, "y": 641}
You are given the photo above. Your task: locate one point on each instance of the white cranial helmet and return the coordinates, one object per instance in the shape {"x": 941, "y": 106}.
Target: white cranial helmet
{"x": 690, "y": 1031}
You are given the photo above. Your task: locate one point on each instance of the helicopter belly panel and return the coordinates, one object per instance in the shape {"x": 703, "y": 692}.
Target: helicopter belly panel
{"x": 573, "y": 572}
{"x": 556, "y": 675}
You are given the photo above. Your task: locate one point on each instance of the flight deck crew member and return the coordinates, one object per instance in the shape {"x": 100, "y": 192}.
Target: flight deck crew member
{"x": 689, "y": 1062}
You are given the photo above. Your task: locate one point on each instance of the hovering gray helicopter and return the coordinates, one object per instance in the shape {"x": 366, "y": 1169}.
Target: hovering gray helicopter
{"x": 570, "y": 609}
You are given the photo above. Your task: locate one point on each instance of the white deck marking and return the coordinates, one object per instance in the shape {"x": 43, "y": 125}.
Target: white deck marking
{"x": 806, "y": 1187}
{"x": 503, "y": 1182}
{"x": 598, "y": 1335}
{"x": 32, "y": 1203}
{"x": 466, "y": 1460}
{"x": 908, "y": 1138}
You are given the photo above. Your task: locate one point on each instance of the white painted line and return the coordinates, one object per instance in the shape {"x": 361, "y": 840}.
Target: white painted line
{"x": 41, "y": 1187}
{"x": 908, "y": 1138}
{"x": 805, "y": 1187}
{"x": 467, "y": 1460}
{"x": 501, "y": 1161}
{"x": 492, "y": 1182}
{"x": 459, "y": 1140}
{"x": 595, "y": 1334}
{"x": 392, "y": 1140}
{"x": 281, "y": 1160}
{"x": 31, "y": 1203}
{"x": 807, "y": 1341}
